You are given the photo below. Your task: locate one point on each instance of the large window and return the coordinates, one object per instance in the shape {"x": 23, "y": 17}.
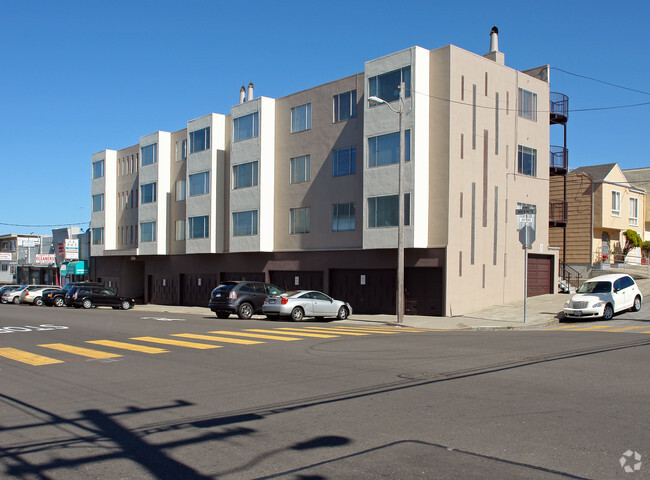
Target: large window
{"x": 345, "y": 106}
{"x": 384, "y": 149}
{"x": 386, "y": 85}
{"x": 180, "y": 229}
{"x": 616, "y": 203}
{"x": 301, "y": 118}
{"x": 199, "y": 227}
{"x": 343, "y": 217}
{"x": 527, "y": 105}
{"x": 98, "y": 202}
{"x": 98, "y": 236}
{"x": 344, "y": 161}
{"x": 199, "y": 184}
{"x": 244, "y": 223}
{"x": 244, "y": 175}
{"x": 181, "y": 150}
{"x": 150, "y": 154}
{"x": 148, "y": 193}
{"x": 634, "y": 212}
{"x": 98, "y": 169}
{"x": 246, "y": 127}
{"x": 200, "y": 140}
{"x": 299, "y": 220}
{"x": 527, "y": 161}
{"x": 300, "y": 169}
{"x": 148, "y": 232}
{"x": 180, "y": 190}
{"x": 383, "y": 211}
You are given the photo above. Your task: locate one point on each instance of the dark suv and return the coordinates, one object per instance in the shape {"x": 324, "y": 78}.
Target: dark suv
{"x": 93, "y": 296}
{"x": 56, "y": 296}
{"x": 243, "y": 298}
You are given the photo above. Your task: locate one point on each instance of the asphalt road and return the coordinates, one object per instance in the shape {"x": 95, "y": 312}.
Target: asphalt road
{"x": 341, "y": 403}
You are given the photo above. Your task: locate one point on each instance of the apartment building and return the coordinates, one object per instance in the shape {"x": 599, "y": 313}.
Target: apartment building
{"x": 302, "y": 191}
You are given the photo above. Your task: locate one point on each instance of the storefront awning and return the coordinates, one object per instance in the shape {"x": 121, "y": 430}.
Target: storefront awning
{"x": 78, "y": 267}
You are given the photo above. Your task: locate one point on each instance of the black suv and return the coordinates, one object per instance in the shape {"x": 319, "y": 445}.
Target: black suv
{"x": 93, "y": 296}
{"x": 56, "y": 295}
{"x": 243, "y": 298}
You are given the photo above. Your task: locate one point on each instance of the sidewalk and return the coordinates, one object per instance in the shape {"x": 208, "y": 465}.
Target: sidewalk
{"x": 540, "y": 311}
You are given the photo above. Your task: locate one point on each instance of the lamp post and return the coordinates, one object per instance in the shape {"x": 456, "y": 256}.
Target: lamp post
{"x": 374, "y": 100}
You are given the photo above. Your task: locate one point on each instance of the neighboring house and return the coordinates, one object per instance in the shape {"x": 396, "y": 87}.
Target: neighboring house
{"x": 602, "y": 204}
{"x": 640, "y": 178}
{"x": 302, "y": 191}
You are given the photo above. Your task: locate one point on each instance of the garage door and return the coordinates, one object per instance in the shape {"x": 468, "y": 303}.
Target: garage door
{"x": 424, "y": 291}
{"x": 367, "y": 290}
{"x": 540, "y": 275}
{"x": 297, "y": 280}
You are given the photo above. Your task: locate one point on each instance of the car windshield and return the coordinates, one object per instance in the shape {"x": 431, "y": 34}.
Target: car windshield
{"x": 292, "y": 293}
{"x": 595, "y": 287}
{"x": 225, "y": 287}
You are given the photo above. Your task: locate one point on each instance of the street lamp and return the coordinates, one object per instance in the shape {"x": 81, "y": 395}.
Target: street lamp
{"x": 374, "y": 100}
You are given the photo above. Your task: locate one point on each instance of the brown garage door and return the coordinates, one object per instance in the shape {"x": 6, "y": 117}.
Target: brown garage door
{"x": 540, "y": 275}
{"x": 296, "y": 280}
{"x": 424, "y": 291}
{"x": 196, "y": 288}
{"x": 366, "y": 290}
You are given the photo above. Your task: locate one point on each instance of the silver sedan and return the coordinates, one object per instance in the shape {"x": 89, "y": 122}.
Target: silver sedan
{"x": 299, "y": 304}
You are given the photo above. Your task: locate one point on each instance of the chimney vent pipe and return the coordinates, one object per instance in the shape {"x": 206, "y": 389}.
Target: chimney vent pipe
{"x": 242, "y": 94}
{"x": 250, "y": 91}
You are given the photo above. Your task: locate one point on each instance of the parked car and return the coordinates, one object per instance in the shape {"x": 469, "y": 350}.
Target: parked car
{"x": 34, "y": 294}
{"x": 243, "y": 298}
{"x": 56, "y": 297}
{"x": 7, "y": 288}
{"x": 603, "y": 297}
{"x": 299, "y": 304}
{"x": 13, "y": 296}
{"x": 88, "y": 296}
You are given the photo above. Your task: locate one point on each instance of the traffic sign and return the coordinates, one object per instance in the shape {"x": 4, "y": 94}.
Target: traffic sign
{"x": 527, "y": 237}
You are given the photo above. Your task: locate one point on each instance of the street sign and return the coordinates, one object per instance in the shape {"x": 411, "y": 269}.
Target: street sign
{"x": 527, "y": 237}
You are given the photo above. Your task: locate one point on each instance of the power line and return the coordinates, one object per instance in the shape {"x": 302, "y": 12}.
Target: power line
{"x": 601, "y": 81}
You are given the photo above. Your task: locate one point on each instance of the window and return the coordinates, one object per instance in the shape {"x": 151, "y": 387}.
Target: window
{"x": 342, "y": 217}
{"x": 199, "y": 184}
{"x": 527, "y": 162}
{"x": 148, "y": 193}
{"x": 244, "y": 223}
{"x": 299, "y": 220}
{"x": 98, "y": 202}
{"x": 98, "y": 236}
{"x": 148, "y": 232}
{"x": 301, "y": 118}
{"x": 634, "y": 211}
{"x": 181, "y": 150}
{"x": 383, "y": 211}
{"x": 199, "y": 227}
{"x": 200, "y": 140}
{"x": 300, "y": 171}
{"x": 246, "y": 127}
{"x": 180, "y": 190}
{"x": 345, "y": 106}
{"x": 180, "y": 229}
{"x": 150, "y": 154}
{"x": 527, "y": 105}
{"x": 244, "y": 175}
{"x": 5, "y": 267}
{"x": 384, "y": 149}
{"x": 98, "y": 169}
{"x": 344, "y": 161}
{"x": 616, "y": 203}
{"x": 386, "y": 85}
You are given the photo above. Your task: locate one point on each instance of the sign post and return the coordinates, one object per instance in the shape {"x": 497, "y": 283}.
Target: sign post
{"x": 526, "y": 225}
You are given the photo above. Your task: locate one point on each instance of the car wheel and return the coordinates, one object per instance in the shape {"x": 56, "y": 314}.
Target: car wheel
{"x": 297, "y": 314}
{"x": 608, "y": 312}
{"x": 58, "y": 301}
{"x": 16, "y": 300}
{"x": 222, "y": 315}
{"x": 87, "y": 303}
{"x": 38, "y": 301}
{"x": 125, "y": 305}
{"x": 342, "y": 313}
{"x": 637, "y": 304}
{"x": 245, "y": 311}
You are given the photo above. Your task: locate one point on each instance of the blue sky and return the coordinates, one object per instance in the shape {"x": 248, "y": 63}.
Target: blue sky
{"x": 82, "y": 76}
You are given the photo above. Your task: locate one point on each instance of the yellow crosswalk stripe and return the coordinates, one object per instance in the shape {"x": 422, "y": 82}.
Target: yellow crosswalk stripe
{"x": 644, "y": 332}
{"x": 128, "y": 346}
{"x": 26, "y": 357}
{"x": 84, "y": 352}
{"x": 216, "y": 339}
{"x": 177, "y": 343}
{"x": 595, "y": 327}
{"x": 622, "y": 329}
{"x": 385, "y": 329}
{"x": 563, "y": 327}
{"x": 325, "y": 330}
{"x": 256, "y": 335}
{"x": 316, "y": 335}
{"x": 361, "y": 330}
